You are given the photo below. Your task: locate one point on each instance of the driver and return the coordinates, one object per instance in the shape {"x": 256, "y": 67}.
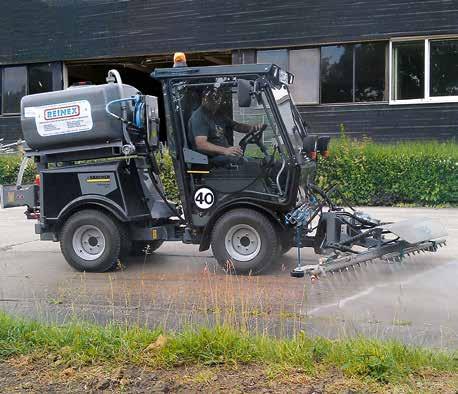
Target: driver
{"x": 208, "y": 129}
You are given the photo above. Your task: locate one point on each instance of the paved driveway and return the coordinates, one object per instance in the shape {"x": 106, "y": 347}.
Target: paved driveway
{"x": 414, "y": 301}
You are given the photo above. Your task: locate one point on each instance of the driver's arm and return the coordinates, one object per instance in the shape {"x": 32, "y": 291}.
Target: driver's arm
{"x": 245, "y": 128}
{"x": 203, "y": 145}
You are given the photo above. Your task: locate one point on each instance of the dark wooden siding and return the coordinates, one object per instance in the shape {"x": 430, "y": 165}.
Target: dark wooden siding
{"x": 35, "y": 31}
{"x": 42, "y": 31}
{"x": 10, "y": 128}
{"x": 385, "y": 122}
{"x": 380, "y": 122}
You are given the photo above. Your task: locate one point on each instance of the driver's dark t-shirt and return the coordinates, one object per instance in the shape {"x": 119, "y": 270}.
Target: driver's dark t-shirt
{"x": 213, "y": 127}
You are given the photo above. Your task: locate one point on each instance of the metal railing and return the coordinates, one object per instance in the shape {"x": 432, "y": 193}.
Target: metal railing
{"x": 10, "y": 148}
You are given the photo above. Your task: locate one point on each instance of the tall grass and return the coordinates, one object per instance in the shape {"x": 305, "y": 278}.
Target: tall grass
{"x": 81, "y": 344}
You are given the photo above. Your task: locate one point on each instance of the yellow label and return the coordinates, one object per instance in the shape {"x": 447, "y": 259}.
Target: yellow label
{"x": 154, "y": 233}
{"x": 10, "y": 197}
{"x": 98, "y": 180}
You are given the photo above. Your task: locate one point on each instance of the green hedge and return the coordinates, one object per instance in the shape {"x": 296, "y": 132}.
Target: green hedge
{"x": 9, "y": 168}
{"x": 168, "y": 175}
{"x": 367, "y": 173}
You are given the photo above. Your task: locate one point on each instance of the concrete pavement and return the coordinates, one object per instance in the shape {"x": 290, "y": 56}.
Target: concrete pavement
{"x": 415, "y": 301}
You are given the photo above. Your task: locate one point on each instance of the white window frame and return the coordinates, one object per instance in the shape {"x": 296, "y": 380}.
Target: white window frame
{"x": 427, "y": 98}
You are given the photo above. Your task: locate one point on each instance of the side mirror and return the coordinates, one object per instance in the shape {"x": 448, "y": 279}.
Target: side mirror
{"x": 309, "y": 143}
{"x": 323, "y": 145}
{"x": 244, "y": 93}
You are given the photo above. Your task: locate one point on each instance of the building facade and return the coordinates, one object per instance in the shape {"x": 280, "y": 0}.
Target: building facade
{"x": 384, "y": 69}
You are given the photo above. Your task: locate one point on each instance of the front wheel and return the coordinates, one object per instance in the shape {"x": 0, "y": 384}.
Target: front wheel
{"x": 91, "y": 241}
{"x": 244, "y": 241}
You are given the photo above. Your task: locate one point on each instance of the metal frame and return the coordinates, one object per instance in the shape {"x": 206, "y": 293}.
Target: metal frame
{"x": 171, "y": 75}
{"x": 427, "y": 99}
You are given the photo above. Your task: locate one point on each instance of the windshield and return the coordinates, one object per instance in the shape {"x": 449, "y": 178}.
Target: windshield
{"x": 290, "y": 116}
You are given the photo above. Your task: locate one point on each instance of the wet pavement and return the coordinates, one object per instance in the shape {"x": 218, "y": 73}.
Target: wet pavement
{"x": 415, "y": 301}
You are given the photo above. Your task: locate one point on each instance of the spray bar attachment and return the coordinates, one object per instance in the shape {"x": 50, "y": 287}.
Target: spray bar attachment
{"x": 346, "y": 239}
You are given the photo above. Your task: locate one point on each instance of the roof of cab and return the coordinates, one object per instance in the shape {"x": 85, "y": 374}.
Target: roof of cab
{"x": 166, "y": 73}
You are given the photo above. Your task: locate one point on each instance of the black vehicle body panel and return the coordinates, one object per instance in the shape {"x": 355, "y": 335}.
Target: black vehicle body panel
{"x": 109, "y": 186}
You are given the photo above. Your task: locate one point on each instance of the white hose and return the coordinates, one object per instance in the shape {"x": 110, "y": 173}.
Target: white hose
{"x": 115, "y": 73}
{"x": 20, "y": 176}
{"x": 283, "y": 165}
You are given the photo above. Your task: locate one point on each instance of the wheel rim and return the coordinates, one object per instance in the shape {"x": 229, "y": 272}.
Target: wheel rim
{"x": 88, "y": 242}
{"x": 243, "y": 242}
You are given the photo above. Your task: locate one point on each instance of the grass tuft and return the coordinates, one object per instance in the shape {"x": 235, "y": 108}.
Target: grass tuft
{"x": 80, "y": 344}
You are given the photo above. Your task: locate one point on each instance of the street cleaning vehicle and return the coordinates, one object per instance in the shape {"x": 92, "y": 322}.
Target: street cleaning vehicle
{"x": 100, "y": 194}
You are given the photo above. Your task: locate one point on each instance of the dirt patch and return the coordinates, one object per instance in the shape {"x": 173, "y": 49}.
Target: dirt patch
{"x": 28, "y": 375}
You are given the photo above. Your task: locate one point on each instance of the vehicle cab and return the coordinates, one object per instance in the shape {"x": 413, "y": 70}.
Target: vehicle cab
{"x": 274, "y": 162}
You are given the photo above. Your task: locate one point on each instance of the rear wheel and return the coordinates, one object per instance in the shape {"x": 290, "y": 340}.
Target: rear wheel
{"x": 91, "y": 241}
{"x": 244, "y": 241}
{"x": 141, "y": 248}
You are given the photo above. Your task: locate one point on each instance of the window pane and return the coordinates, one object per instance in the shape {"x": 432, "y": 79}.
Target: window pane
{"x": 409, "y": 70}
{"x": 40, "y": 78}
{"x": 14, "y": 88}
{"x": 370, "y": 72}
{"x": 305, "y": 65}
{"x": 444, "y": 68}
{"x": 275, "y": 56}
{"x": 337, "y": 74}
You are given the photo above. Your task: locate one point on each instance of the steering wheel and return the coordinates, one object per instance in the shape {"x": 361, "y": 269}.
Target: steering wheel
{"x": 254, "y": 137}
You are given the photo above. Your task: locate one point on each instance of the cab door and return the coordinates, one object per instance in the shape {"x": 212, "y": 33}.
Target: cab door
{"x": 209, "y": 180}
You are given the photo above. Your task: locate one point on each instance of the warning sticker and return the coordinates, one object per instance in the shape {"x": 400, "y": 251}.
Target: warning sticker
{"x": 63, "y": 118}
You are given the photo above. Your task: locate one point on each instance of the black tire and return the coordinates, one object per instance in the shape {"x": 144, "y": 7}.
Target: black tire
{"x": 284, "y": 244}
{"x": 265, "y": 242}
{"x": 112, "y": 241}
{"x": 285, "y": 249}
{"x": 142, "y": 248}
{"x": 126, "y": 243}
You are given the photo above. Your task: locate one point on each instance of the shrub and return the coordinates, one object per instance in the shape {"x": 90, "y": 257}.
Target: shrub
{"x": 368, "y": 173}
{"x": 167, "y": 174}
{"x": 9, "y": 168}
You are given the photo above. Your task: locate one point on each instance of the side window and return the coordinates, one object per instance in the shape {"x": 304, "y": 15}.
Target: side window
{"x": 17, "y": 81}
{"x": 40, "y": 78}
{"x": 409, "y": 70}
{"x": 210, "y": 108}
{"x": 444, "y": 68}
{"x": 14, "y": 87}
{"x": 253, "y": 115}
{"x": 353, "y": 73}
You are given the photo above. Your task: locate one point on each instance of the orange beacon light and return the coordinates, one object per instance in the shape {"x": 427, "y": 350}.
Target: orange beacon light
{"x": 179, "y": 59}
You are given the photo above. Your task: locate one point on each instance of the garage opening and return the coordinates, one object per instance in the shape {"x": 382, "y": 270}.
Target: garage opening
{"x": 136, "y": 71}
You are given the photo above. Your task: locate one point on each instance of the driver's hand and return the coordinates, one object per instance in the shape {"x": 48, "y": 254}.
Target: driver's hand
{"x": 233, "y": 151}
{"x": 256, "y": 127}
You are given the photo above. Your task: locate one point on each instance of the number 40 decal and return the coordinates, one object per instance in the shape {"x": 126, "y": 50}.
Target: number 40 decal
{"x": 204, "y": 198}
